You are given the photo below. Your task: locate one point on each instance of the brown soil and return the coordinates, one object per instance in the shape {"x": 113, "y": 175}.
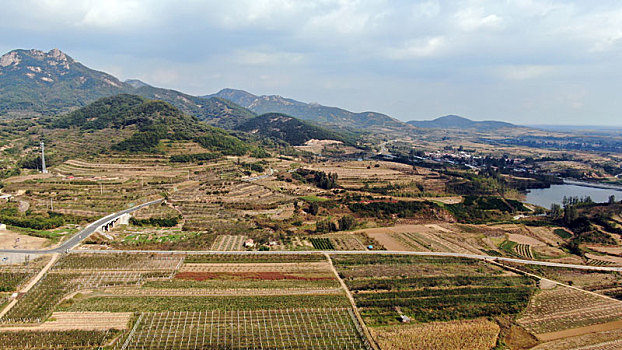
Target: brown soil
{"x": 14, "y": 240}
{"x": 519, "y": 339}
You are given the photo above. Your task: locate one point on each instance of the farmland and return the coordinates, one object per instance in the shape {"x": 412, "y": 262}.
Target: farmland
{"x": 420, "y": 289}
{"x": 215, "y": 203}
{"x": 562, "y": 308}
{"x": 318, "y": 328}
{"x": 181, "y": 302}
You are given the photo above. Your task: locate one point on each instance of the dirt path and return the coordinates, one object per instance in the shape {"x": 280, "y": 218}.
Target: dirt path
{"x": 31, "y": 284}
{"x": 370, "y": 339}
{"x": 601, "y": 327}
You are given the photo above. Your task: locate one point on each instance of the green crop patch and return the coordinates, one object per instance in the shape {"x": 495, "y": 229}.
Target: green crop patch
{"x": 194, "y": 303}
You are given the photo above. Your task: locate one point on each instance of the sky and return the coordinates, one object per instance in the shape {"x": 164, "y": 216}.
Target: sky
{"x": 522, "y": 61}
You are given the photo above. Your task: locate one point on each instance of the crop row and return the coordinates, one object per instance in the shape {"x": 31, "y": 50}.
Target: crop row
{"x": 442, "y": 304}
{"x": 9, "y": 281}
{"x": 524, "y": 250}
{"x": 68, "y": 340}
{"x": 201, "y": 303}
{"x": 40, "y": 301}
{"x": 252, "y": 258}
{"x": 239, "y": 329}
{"x": 348, "y": 260}
{"x": 433, "y": 281}
{"x": 228, "y": 242}
{"x": 322, "y": 243}
{"x": 121, "y": 261}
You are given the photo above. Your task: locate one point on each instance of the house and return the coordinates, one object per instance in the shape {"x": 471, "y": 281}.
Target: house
{"x": 2, "y": 227}
{"x": 249, "y": 243}
{"x": 5, "y": 197}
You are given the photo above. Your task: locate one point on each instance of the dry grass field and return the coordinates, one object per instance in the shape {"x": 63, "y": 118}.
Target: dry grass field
{"x": 479, "y": 334}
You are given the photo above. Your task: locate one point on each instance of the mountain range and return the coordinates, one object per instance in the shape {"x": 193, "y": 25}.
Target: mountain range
{"x": 457, "y": 122}
{"x": 309, "y": 111}
{"x": 34, "y": 83}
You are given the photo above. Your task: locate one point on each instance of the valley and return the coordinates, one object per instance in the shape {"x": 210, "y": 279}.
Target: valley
{"x": 169, "y": 221}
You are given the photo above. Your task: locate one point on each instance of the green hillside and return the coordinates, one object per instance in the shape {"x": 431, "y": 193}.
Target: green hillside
{"x": 151, "y": 121}
{"x": 291, "y": 130}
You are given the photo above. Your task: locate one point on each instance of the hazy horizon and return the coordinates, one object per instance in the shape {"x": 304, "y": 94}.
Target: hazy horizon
{"x": 524, "y": 62}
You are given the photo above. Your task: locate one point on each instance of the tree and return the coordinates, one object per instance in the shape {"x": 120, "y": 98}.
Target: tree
{"x": 314, "y": 208}
{"x": 556, "y": 211}
{"x": 612, "y": 199}
{"x": 570, "y": 214}
{"x": 347, "y": 222}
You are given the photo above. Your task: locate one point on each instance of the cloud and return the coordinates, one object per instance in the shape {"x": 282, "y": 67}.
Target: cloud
{"x": 269, "y": 58}
{"x": 471, "y": 19}
{"x": 418, "y": 48}
{"x": 361, "y": 54}
{"x": 524, "y": 72}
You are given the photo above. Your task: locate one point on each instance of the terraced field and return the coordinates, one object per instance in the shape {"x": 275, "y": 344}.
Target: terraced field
{"x": 229, "y": 243}
{"x": 213, "y": 204}
{"x": 563, "y": 308}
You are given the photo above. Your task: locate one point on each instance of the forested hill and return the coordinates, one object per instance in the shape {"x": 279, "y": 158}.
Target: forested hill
{"x": 291, "y": 130}
{"x": 152, "y": 121}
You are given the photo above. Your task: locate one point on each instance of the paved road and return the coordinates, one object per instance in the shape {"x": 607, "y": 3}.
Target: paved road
{"x": 362, "y": 252}
{"x": 72, "y": 242}
{"x": 260, "y": 177}
{"x": 78, "y": 237}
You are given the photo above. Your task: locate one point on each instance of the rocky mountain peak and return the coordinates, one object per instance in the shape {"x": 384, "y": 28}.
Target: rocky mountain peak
{"x": 57, "y": 54}
{"x": 11, "y": 58}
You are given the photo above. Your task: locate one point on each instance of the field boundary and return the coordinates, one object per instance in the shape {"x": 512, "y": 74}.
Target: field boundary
{"x": 370, "y": 340}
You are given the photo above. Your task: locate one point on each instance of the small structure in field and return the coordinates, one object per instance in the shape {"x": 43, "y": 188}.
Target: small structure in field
{"x": 249, "y": 243}
{"x": 2, "y": 227}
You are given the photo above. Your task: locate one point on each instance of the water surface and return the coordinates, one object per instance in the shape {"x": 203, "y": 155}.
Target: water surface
{"x": 544, "y": 197}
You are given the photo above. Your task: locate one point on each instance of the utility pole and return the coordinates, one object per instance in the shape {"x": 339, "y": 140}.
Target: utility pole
{"x": 51, "y": 204}
{"x": 43, "y": 168}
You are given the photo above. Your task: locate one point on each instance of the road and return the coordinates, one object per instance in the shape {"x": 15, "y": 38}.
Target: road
{"x": 260, "y": 177}
{"x": 74, "y": 240}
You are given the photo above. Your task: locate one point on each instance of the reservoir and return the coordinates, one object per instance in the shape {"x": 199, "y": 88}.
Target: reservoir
{"x": 544, "y": 197}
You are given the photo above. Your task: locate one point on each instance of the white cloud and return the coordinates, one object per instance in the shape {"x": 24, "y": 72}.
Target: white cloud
{"x": 114, "y": 14}
{"x": 471, "y": 19}
{"x": 418, "y": 48}
{"x": 524, "y": 72}
{"x": 269, "y": 58}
